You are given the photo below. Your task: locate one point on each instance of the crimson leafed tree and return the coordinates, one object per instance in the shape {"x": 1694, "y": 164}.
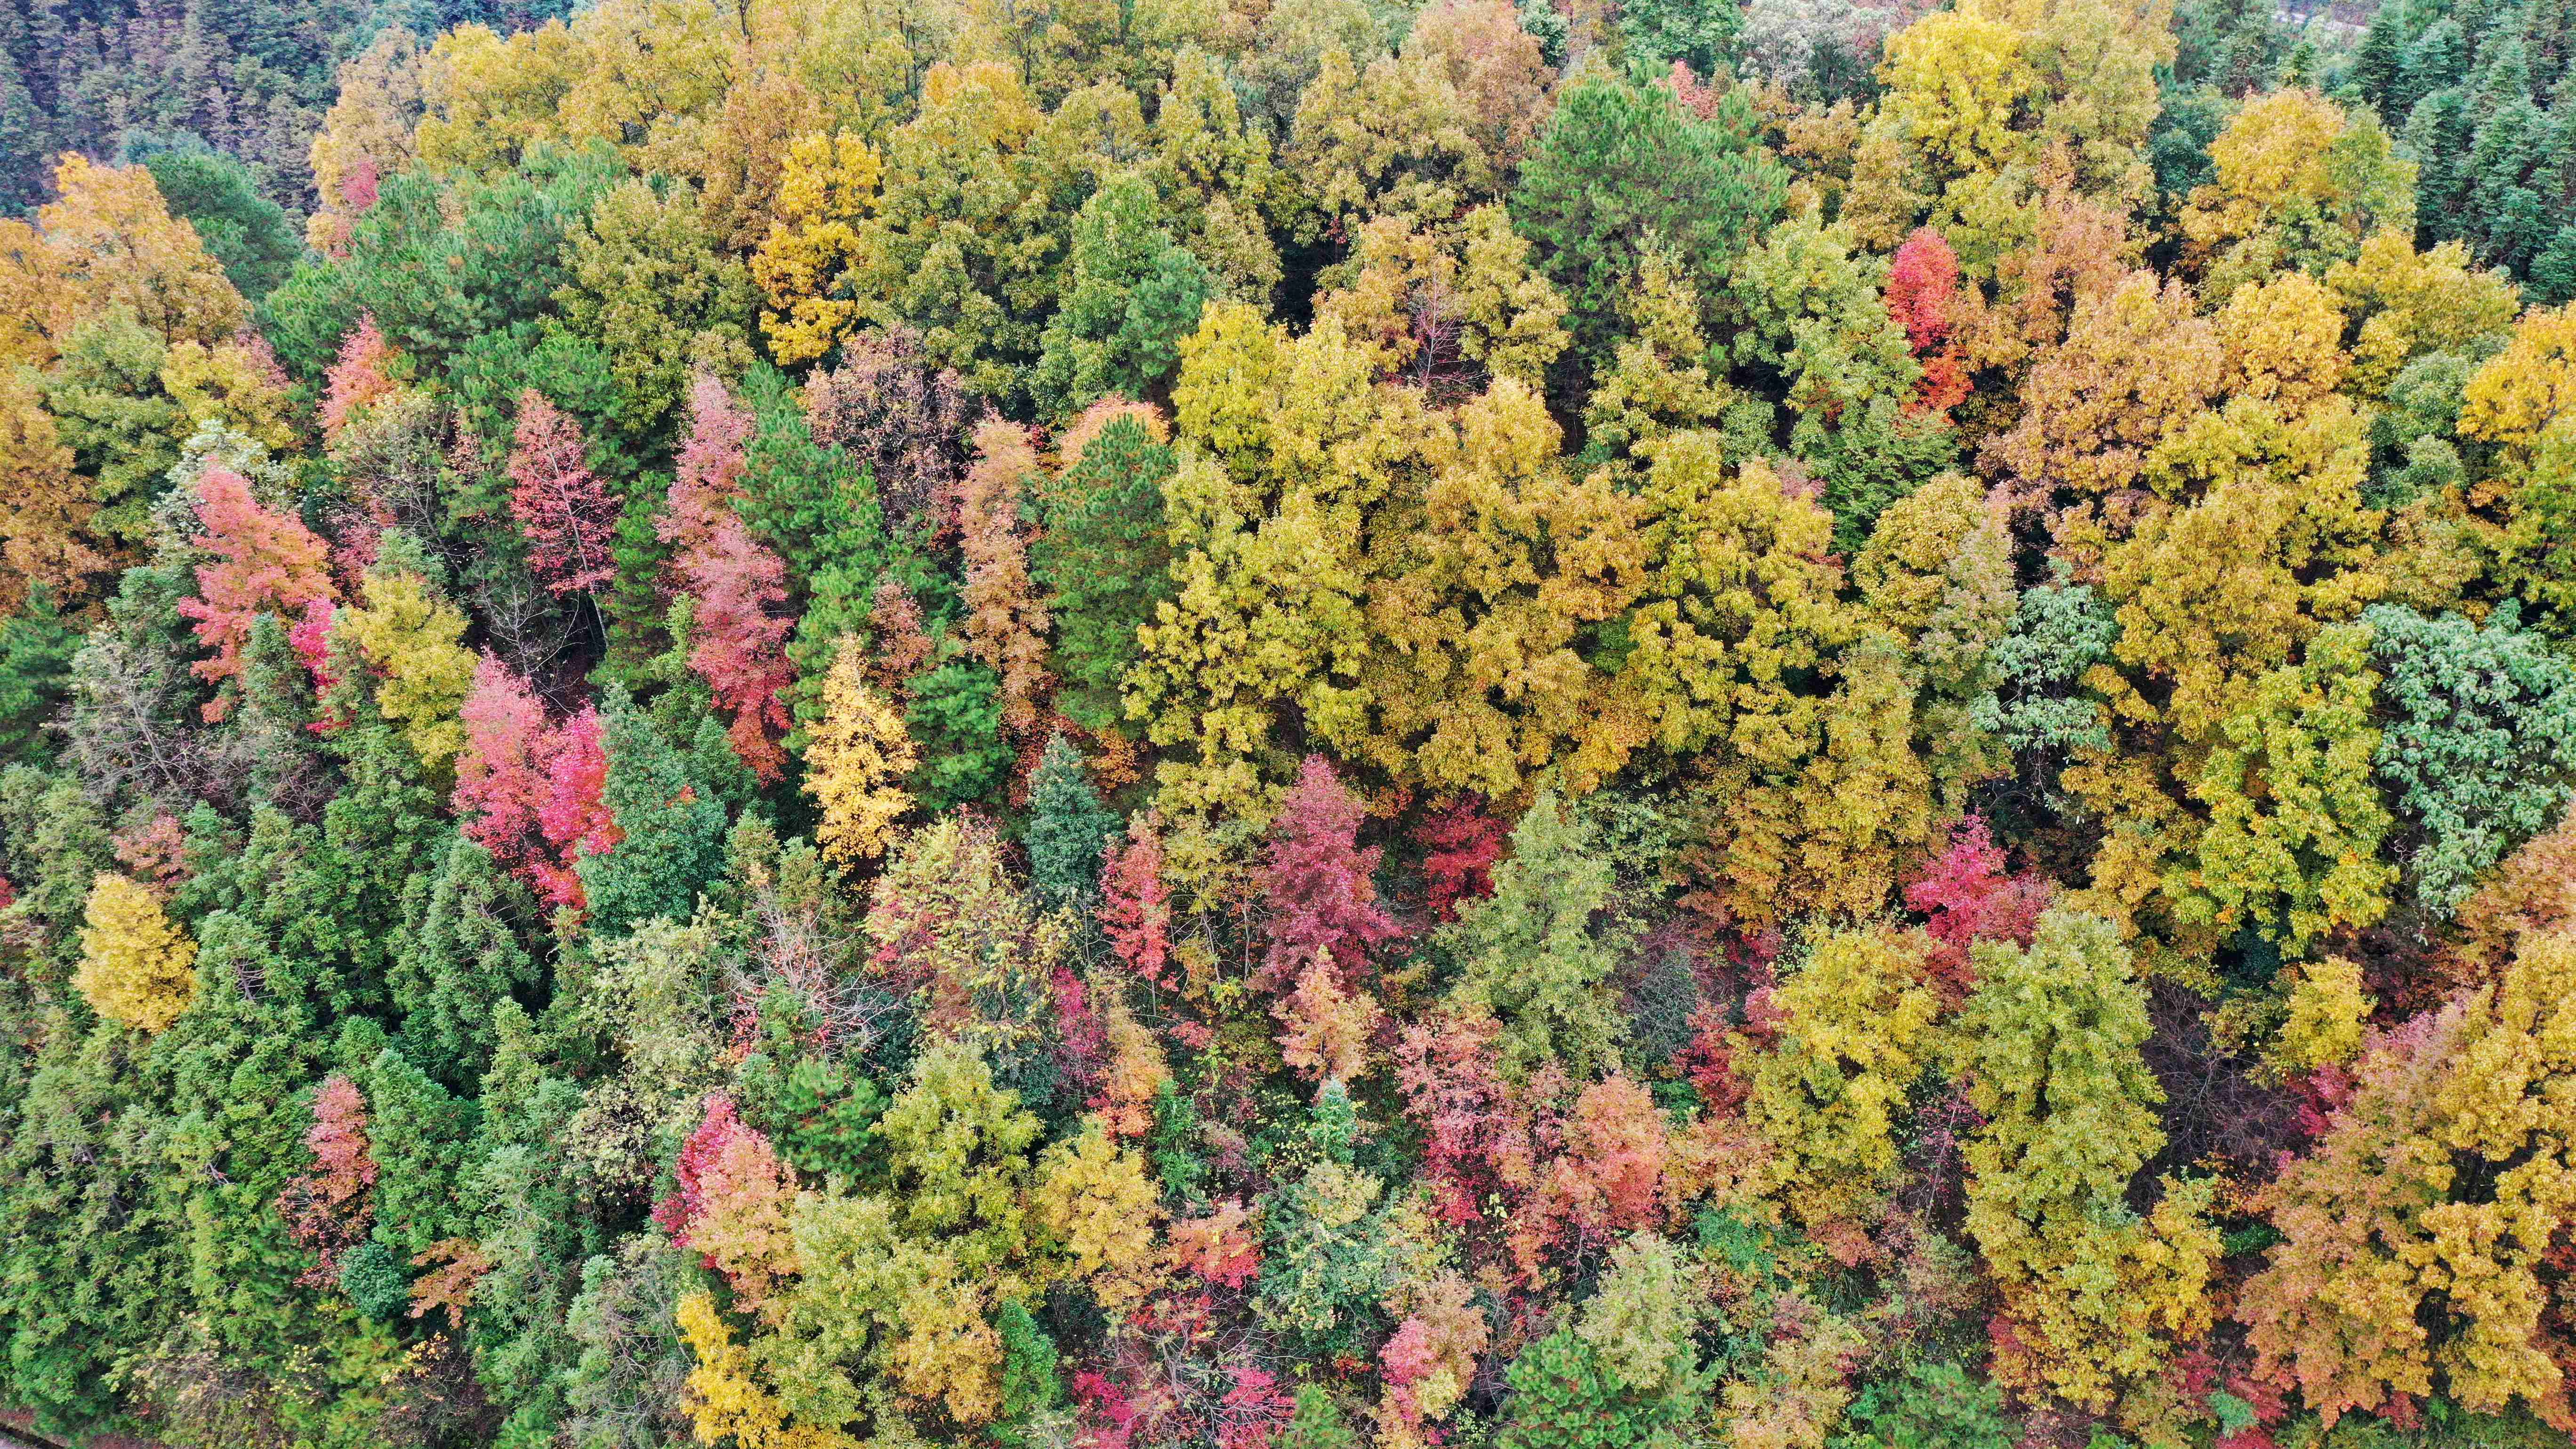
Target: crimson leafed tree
{"x": 1316, "y": 878}
{"x": 739, "y": 637}
{"x": 564, "y": 512}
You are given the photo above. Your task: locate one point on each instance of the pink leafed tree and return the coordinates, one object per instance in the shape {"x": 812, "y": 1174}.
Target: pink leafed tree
{"x": 740, "y": 584}
{"x": 261, "y": 561}
{"x": 361, "y": 374}
{"x": 740, "y": 645}
{"x": 529, "y": 791}
{"x": 1316, "y": 877}
{"x": 708, "y": 472}
{"x": 1135, "y": 907}
{"x": 564, "y": 512}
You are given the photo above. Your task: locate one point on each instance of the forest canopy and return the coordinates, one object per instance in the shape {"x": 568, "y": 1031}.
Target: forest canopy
{"x": 1288, "y": 724}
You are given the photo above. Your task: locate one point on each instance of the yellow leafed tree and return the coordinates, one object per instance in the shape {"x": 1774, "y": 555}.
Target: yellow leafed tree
{"x": 137, "y": 966}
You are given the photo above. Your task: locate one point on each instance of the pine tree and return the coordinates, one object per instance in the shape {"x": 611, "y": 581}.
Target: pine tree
{"x": 670, "y": 828}
{"x": 1069, "y": 829}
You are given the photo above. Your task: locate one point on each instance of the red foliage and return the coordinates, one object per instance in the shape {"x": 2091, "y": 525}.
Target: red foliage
{"x": 567, "y": 516}
{"x": 358, "y": 188}
{"x": 1460, "y": 845}
{"x": 1109, "y": 1419}
{"x": 325, "y": 1208}
{"x": 155, "y": 853}
{"x": 1923, "y": 297}
{"x": 1476, "y": 1130}
{"x": 740, "y": 643}
{"x": 311, "y": 640}
{"x": 1969, "y": 898}
{"x": 1316, "y": 876}
{"x": 1253, "y": 1412}
{"x": 1135, "y": 908}
{"x": 708, "y": 472}
{"x": 700, "y": 1170}
{"x": 1222, "y": 1248}
{"x": 1082, "y": 1044}
{"x": 1709, "y": 1061}
{"x": 531, "y": 793}
{"x": 361, "y": 374}
{"x": 263, "y": 562}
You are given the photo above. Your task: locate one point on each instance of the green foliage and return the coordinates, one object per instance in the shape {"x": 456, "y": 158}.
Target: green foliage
{"x": 1540, "y": 951}
{"x": 1105, "y": 561}
{"x": 440, "y": 261}
{"x": 670, "y": 822}
{"x": 36, "y": 648}
{"x": 1068, "y": 827}
{"x": 2480, "y": 750}
{"x": 1562, "y": 1397}
{"x": 245, "y": 231}
{"x": 1622, "y": 170}
{"x": 1934, "y": 1406}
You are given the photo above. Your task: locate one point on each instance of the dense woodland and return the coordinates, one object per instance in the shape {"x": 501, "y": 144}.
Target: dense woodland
{"x": 1193, "y": 724}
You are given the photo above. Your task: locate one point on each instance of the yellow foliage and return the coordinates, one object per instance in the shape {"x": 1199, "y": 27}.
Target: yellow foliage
{"x": 410, "y": 634}
{"x": 826, "y": 192}
{"x": 1956, "y": 81}
{"x": 1854, "y": 1034}
{"x": 1096, "y": 1200}
{"x": 2410, "y": 303}
{"x": 137, "y": 966}
{"x": 2328, "y": 1011}
{"x": 2526, "y": 387}
{"x": 107, "y": 240}
{"x": 724, "y": 1401}
{"x": 853, "y": 757}
{"x": 228, "y": 384}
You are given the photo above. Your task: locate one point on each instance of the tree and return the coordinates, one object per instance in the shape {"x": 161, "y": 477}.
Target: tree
{"x": 1563, "y": 1396}
{"x": 566, "y": 515}
{"x": 1006, "y": 623}
{"x": 1315, "y": 879}
{"x": 738, "y": 641}
{"x": 2480, "y": 754}
{"x": 1621, "y": 169}
{"x": 410, "y": 635}
{"x": 1135, "y": 910}
{"x": 260, "y": 559}
{"x": 529, "y": 791}
{"x": 2098, "y": 1297}
{"x": 1538, "y": 953}
{"x": 1132, "y": 294}
{"x": 670, "y": 828}
{"x": 2412, "y": 1238}
{"x": 1104, "y": 555}
{"x": 326, "y": 1207}
{"x": 854, "y": 756}
{"x": 246, "y": 233}
{"x": 1069, "y": 830}
{"x": 1923, "y": 297}
{"x": 137, "y": 966}
{"x": 1853, "y": 1031}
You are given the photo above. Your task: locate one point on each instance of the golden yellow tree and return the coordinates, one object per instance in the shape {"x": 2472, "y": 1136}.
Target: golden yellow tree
{"x": 137, "y": 966}
{"x": 854, "y": 755}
